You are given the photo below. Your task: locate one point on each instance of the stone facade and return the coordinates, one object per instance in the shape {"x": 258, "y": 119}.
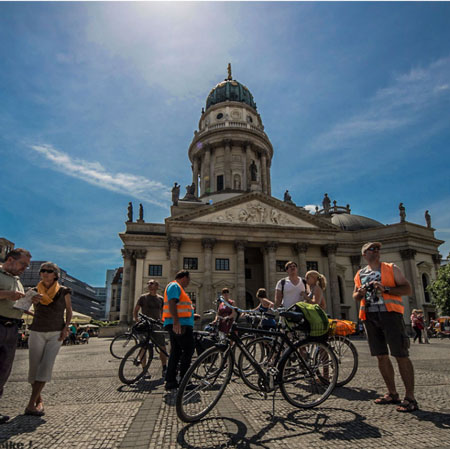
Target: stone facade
{"x": 229, "y": 231}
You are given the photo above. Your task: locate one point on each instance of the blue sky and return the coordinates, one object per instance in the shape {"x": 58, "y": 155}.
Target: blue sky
{"x": 99, "y": 101}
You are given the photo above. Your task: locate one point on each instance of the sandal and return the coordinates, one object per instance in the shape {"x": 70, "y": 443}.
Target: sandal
{"x": 388, "y": 398}
{"x": 34, "y": 412}
{"x": 408, "y": 406}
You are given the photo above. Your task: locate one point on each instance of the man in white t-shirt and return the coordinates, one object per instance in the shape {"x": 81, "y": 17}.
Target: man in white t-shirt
{"x": 291, "y": 289}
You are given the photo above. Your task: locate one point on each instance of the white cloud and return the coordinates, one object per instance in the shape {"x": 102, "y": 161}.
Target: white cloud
{"x": 396, "y": 106}
{"x": 94, "y": 173}
{"x": 75, "y": 250}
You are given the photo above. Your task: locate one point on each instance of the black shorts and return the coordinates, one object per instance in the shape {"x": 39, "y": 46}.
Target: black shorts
{"x": 386, "y": 329}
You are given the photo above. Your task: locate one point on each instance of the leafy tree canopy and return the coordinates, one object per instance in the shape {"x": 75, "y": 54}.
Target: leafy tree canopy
{"x": 440, "y": 289}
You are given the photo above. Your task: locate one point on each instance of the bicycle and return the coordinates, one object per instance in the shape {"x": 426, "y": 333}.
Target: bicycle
{"x": 121, "y": 343}
{"x": 137, "y": 360}
{"x": 306, "y": 372}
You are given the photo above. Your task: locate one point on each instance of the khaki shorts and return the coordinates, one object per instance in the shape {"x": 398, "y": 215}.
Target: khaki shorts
{"x": 387, "y": 329}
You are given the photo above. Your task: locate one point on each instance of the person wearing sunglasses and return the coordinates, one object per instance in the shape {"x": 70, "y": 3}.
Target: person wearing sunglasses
{"x": 47, "y": 332}
{"x": 151, "y": 304}
{"x": 379, "y": 288}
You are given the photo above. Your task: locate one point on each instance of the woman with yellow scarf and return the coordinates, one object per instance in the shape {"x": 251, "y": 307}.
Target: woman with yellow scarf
{"x": 47, "y": 332}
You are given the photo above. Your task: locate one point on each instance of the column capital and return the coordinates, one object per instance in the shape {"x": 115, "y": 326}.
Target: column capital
{"x": 331, "y": 248}
{"x": 208, "y": 243}
{"x": 140, "y": 253}
{"x": 227, "y": 142}
{"x": 407, "y": 254}
{"x": 247, "y": 144}
{"x": 437, "y": 258}
{"x": 240, "y": 244}
{"x": 127, "y": 253}
{"x": 271, "y": 246}
{"x": 174, "y": 242}
{"x": 301, "y": 247}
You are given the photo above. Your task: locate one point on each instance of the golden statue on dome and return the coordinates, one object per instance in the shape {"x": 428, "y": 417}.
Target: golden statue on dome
{"x": 229, "y": 71}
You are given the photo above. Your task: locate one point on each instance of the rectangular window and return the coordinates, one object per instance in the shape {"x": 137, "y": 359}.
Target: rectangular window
{"x": 222, "y": 264}
{"x": 280, "y": 265}
{"x": 193, "y": 296}
{"x": 219, "y": 183}
{"x": 312, "y": 265}
{"x": 190, "y": 263}
{"x": 155, "y": 270}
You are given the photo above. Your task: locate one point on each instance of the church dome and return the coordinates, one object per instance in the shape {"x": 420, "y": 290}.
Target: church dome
{"x": 230, "y": 90}
{"x": 349, "y": 222}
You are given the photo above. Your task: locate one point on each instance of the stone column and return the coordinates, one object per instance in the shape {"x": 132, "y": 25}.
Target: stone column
{"x": 240, "y": 272}
{"x": 127, "y": 256}
{"x": 247, "y": 156}
{"x": 207, "y": 293}
{"x": 264, "y": 173}
{"x": 195, "y": 175}
{"x": 265, "y": 253}
{"x": 330, "y": 251}
{"x": 409, "y": 261}
{"x": 437, "y": 258}
{"x": 269, "y": 185}
{"x": 301, "y": 248}
{"x": 132, "y": 287}
{"x": 206, "y": 172}
{"x": 271, "y": 248}
{"x": 174, "y": 247}
{"x": 227, "y": 143}
{"x": 140, "y": 258}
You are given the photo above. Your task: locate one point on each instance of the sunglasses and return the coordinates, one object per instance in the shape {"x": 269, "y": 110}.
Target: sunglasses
{"x": 226, "y": 291}
{"x": 373, "y": 248}
{"x": 46, "y": 271}
{"x": 152, "y": 283}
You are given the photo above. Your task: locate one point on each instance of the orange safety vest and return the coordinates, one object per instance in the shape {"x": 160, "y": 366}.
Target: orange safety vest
{"x": 393, "y": 303}
{"x": 184, "y": 305}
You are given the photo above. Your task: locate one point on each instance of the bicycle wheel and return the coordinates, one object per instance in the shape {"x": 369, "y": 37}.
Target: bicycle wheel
{"x": 203, "y": 384}
{"x": 347, "y": 357}
{"x": 121, "y": 344}
{"x": 308, "y": 374}
{"x": 135, "y": 363}
{"x": 263, "y": 350}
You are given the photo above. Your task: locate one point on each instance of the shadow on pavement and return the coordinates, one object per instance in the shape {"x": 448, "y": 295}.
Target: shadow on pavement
{"x": 441, "y": 420}
{"x": 355, "y": 394}
{"x": 142, "y": 386}
{"x": 18, "y": 426}
{"x": 296, "y": 424}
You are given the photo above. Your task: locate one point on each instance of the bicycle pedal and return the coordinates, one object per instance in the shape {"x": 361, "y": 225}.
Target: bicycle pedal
{"x": 263, "y": 394}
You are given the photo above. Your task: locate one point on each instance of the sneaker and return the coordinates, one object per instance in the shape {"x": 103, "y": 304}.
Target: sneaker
{"x": 3, "y": 419}
{"x": 171, "y": 386}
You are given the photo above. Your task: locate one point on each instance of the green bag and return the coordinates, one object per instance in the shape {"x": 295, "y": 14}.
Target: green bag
{"x": 316, "y": 322}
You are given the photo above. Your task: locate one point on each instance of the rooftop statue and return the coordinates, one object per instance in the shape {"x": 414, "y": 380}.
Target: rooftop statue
{"x": 141, "y": 213}
{"x": 229, "y": 71}
{"x": 175, "y": 194}
{"x": 428, "y": 219}
{"x": 326, "y": 203}
{"x": 287, "y": 198}
{"x": 402, "y": 210}
{"x": 253, "y": 171}
{"x": 130, "y": 212}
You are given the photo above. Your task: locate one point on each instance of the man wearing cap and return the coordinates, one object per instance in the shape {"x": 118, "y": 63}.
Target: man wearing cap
{"x": 380, "y": 287}
{"x": 11, "y": 289}
{"x": 151, "y": 304}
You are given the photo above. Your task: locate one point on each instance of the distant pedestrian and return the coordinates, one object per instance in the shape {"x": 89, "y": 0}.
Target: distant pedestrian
{"x": 11, "y": 289}
{"x": 225, "y": 315}
{"x": 416, "y": 325}
{"x": 178, "y": 318}
{"x": 47, "y": 332}
{"x": 265, "y": 304}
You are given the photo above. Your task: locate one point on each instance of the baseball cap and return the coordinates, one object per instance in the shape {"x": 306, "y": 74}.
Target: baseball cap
{"x": 366, "y": 246}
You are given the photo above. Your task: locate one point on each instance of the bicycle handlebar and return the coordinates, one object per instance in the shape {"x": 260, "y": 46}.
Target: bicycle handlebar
{"x": 149, "y": 319}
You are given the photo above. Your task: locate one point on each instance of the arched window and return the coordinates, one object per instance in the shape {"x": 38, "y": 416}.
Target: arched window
{"x": 425, "y": 284}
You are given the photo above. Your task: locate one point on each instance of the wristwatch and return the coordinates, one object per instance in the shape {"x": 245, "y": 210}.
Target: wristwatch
{"x": 387, "y": 289}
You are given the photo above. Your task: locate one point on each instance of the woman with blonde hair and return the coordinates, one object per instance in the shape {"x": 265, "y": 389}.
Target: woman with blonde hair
{"x": 317, "y": 283}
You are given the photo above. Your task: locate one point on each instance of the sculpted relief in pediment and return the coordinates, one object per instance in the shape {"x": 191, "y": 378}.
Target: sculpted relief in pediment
{"x": 254, "y": 212}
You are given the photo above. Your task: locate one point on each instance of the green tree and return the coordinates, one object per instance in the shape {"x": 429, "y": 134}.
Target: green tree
{"x": 440, "y": 289}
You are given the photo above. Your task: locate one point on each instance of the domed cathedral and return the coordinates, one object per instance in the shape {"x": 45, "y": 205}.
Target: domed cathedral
{"x": 229, "y": 231}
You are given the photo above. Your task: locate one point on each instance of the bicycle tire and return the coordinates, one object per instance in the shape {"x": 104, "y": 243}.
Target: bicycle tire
{"x": 131, "y": 368}
{"x": 236, "y": 352}
{"x": 262, "y": 350}
{"x": 347, "y": 357}
{"x": 203, "y": 384}
{"x": 121, "y": 344}
{"x": 307, "y": 388}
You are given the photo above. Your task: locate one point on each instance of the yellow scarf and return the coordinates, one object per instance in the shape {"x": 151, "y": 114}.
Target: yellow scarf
{"x": 48, "y": 293}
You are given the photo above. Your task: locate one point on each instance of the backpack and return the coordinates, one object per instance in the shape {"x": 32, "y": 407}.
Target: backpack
{"x": 316, "y": 322}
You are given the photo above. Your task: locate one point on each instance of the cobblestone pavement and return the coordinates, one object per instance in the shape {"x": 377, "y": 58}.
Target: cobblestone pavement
{"x": 87, "y": 407}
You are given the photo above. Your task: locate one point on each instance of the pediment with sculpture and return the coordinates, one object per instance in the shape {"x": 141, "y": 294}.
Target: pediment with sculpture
{"x": 254, "y": 212}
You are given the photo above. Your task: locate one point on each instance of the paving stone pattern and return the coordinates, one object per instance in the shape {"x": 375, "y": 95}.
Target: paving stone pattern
{"x": 87, "y": 407}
